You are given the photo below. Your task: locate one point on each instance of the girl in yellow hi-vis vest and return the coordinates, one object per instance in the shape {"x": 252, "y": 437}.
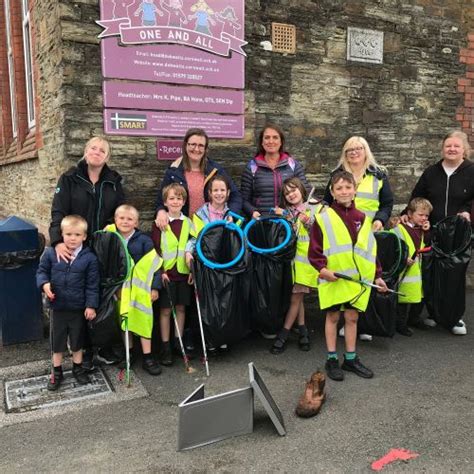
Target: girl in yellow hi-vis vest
{"x": 341, "y": 241}
{"x": 305, "y": 277}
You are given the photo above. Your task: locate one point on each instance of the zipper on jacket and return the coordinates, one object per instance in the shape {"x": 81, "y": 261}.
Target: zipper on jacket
{"x": 99, "y": 208}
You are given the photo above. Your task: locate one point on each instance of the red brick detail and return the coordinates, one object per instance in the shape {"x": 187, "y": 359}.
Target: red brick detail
{"x": 465, "y": 114}
{"x": 25, "y": 144}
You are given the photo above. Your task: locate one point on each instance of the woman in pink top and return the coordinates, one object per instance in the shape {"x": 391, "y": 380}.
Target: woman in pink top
{"x": 193, "y": 170}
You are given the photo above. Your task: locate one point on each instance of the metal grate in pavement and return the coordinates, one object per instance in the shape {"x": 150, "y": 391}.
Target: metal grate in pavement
{"x": 31, "y": 393}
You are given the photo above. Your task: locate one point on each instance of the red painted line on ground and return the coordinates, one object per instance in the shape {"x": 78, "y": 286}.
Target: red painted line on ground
{"x": 391, "y": 456}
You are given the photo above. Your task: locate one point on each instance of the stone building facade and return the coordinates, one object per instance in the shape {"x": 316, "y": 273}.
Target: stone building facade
{"x": 423, "y": 88}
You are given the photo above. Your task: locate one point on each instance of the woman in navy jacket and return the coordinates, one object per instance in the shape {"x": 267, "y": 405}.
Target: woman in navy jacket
{"x": 263, "y": 176}
{"x": 193, "y": 171}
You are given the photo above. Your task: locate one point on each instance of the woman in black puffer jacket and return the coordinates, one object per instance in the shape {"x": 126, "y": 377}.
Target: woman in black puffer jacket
{"x": 263, "y": 176}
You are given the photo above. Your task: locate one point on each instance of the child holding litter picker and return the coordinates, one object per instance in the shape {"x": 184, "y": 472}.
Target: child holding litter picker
{"x": 73, "y": 289}
{"x": 342, "y": 242}
{"x": 171, "y": 244}
{"x": 294, "y": 200}
{"x": 413, "y": 233}
{"x": 142, "y": 287}
{"x": 214, "y": 210}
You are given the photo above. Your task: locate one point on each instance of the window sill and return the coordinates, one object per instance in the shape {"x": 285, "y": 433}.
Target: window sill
{"x": 27, "y": 150}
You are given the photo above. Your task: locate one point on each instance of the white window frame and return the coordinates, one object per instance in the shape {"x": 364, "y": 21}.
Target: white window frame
{"x": 11, "y": 68}
{"x": 27, "y": 53}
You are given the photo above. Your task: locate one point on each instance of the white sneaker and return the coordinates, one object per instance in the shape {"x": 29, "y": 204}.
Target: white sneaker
{"x": 365, "y": 337}
{"x": 429, "y": 322}
{"x": 341, "y": 332}
{"x": 459, "y": 329}
{"x": 268, "y": 336}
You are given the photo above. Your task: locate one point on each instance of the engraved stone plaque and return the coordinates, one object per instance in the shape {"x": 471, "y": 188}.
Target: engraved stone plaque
{"x": 364, "y": 45}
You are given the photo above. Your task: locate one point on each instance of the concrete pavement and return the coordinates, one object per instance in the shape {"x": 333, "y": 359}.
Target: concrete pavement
{"x": 420, "y": 399}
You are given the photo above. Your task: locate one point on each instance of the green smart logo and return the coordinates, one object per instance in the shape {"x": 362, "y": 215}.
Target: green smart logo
{"x": 57, "y": 190}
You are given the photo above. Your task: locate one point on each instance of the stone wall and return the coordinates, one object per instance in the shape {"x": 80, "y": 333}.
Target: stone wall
{"x": 403, "y": 106}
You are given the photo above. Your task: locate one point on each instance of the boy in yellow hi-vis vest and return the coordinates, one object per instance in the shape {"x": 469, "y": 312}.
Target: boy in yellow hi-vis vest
{"x": 341, "y": 241}
{"x": 142, "y": 288}
{"x": 413, "y": 233}
{"x": 172, "y": 245}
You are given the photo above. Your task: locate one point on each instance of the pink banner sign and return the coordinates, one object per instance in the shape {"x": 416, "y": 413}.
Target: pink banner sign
{"x": 170, "y": 63}
{"x": 165, "y": 34}
{"x": 194, "y": 41}
{"x": 168, "y": 149}
{"x": 135, "y": 95}
{"x": 170, "y": 124}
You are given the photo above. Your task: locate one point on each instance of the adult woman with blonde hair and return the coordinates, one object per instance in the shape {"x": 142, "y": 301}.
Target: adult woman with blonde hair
{"x": 449, "y": 186}
{"x": 374, "y": 196}
{"x": 373, "y": 193}
{"x": 93, "y": 191}
{"x": 90, "y": 189}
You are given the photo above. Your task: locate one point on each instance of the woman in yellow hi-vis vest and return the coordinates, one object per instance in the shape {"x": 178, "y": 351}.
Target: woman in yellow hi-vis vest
{"x": 373, "y": 193}
{"x": 411, "y": 289}
{"x": 305, "y": 277}
{"x": 374, "y": 196}
{"x": 341, "y": 241}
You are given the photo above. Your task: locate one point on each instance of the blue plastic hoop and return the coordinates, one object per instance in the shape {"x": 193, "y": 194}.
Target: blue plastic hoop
{"x": 230, "y": 226}
{"x": 278, "y": 220}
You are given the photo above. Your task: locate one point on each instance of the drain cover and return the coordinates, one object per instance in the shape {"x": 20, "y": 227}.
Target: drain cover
{"x": 31, "y": 393}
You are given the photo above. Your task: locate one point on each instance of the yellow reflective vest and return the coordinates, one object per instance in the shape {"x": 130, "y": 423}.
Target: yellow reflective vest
{"x": 357, "y": 261}
{"x": 367, "y": 196}
{"x": 135, "y": 304}
{"x": 411, "y": 285}
{"x": 173, "y": 250}
{"x": 303, "y": 272}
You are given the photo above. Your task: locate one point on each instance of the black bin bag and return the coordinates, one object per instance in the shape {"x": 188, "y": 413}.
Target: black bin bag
{"x": 223, "y": 292}
{"x": 444, "y": 270}
{"x": 114, "y": 266}
{"x": 380, "y": 316}
{"x": 271, "y": 279}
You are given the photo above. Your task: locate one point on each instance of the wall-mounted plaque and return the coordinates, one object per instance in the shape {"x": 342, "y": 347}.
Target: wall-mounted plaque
{"x": 364, "y": 46}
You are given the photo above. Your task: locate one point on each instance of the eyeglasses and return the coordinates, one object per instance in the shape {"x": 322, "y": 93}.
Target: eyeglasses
{"x": 354, "y": 150}
{"x": 199, "y": 146}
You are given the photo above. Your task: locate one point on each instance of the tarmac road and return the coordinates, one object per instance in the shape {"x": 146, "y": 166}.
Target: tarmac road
{"x": 420, "y": 399}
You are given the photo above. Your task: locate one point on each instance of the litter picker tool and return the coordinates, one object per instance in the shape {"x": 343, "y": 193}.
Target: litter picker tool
{"x": 127, "y": 352}
{"x": 196, "y": 295}
{"x": 366, "y": 283}
{"x": 188, "y": 368}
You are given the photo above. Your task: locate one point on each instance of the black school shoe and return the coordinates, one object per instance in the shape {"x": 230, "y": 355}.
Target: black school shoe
{"x": 88, "y": 360}
{"x": 405, "y": 331}
{"x": 333, "y": 370}
{"x": 151, "y": 366}
{"x": 80, "y": 375}
{"x": 303, "y": 341}
{"x": 357, "y": 367}
{"x": 55, "y": 381}
{"x": 166, "y": 357}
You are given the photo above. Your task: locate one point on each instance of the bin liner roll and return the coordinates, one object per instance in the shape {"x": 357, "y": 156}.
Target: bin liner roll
{"x": 223, "y": 293}
{"x": 114, "y": 265}
{"x": 380, "y": 316}
{"x": 271, "y": 276}
{"x": 444, "y": 270}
